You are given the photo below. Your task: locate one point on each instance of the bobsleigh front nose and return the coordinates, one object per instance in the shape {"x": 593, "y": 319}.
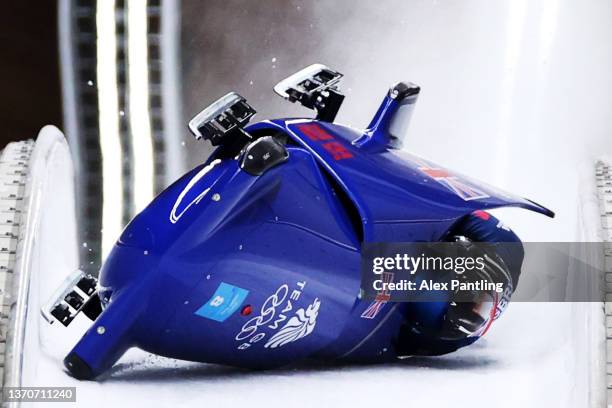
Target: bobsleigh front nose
{"x": 108, "y": 338}
{"x": 143, "y": 278}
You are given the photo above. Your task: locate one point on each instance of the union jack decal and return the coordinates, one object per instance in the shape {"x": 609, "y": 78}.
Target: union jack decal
{"x": 381, "y": 299}
{"x": 461, "y": 188}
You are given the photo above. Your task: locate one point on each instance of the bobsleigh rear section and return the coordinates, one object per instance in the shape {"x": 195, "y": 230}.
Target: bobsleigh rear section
{"x": 398, "y": 196}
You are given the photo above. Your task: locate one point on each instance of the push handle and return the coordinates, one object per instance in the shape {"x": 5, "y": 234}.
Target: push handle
{"x": 389, "y": 126}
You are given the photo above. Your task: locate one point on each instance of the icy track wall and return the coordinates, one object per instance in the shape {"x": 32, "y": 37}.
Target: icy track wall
{"x": 14, "y": 161}
{"x": 604, "y": 195}
{"x": 46, "y": 249}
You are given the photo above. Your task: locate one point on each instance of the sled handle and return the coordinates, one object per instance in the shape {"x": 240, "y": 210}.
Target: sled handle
{"x": 389, "y": 126}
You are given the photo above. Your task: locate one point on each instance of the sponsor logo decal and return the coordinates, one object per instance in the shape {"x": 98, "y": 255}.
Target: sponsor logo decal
{"x": 277, "y": 315}
{"x": 223, "y": 303}
{"x": 316, "y": 133}
{"x": 337, "y": 150}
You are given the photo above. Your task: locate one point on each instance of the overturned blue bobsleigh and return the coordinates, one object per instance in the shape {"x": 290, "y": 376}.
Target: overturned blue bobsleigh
{"x": 252, "y": 258}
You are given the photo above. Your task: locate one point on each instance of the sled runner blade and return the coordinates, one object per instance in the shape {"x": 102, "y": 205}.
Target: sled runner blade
{"x": 308, "y": 81}
{"x": 77, "y": 293}
{"x": 314, "y": 87}
{"x": 224, "y": 117}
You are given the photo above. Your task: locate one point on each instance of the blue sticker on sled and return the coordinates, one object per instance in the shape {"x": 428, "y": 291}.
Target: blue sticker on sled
{"x": 225, "y": 301}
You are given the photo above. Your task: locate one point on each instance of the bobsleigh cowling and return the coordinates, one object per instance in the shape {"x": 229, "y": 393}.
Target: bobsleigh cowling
{"x": 252, "y": 258}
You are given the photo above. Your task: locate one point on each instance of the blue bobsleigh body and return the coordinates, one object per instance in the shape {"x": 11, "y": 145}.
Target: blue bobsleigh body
{"x": 261, "y": 270}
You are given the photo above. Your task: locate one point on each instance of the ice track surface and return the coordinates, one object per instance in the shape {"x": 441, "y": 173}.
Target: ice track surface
{"x": 537, "y": 132}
